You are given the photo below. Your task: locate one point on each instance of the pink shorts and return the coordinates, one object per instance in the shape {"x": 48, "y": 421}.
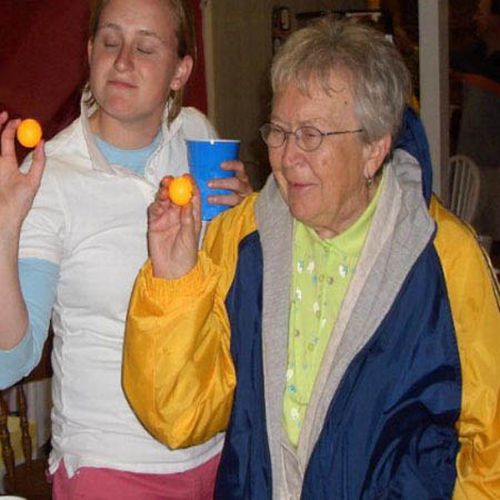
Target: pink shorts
{"x": 93, "y": 483}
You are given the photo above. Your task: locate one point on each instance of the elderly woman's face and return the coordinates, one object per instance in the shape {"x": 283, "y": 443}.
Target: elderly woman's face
{"x": 326, "y": 189}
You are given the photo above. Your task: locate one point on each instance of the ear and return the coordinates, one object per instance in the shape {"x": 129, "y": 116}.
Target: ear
{"x": 90, "y": 46}
{"x": 375, "y": 154}
{"x": 182, "y": 73}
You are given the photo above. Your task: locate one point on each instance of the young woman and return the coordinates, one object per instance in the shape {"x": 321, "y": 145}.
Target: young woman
{"x": 80, "y": 235}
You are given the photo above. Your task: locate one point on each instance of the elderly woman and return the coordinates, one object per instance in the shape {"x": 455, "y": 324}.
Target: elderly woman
{"x": 346, "y": 339}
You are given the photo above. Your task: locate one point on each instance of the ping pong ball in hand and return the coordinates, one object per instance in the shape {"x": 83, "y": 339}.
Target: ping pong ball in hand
{"x": 180, "y": 190}
{"x": 29, "y": 133}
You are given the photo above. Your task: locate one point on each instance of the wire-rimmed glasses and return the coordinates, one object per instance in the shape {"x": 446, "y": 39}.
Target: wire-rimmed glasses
{"x": 307, "y": 138}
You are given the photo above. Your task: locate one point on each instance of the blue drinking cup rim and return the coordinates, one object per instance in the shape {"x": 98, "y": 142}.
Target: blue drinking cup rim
{"x": 213, "y": 141}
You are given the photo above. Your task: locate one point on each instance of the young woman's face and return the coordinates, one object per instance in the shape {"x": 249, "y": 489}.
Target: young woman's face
{"x": 133, "y": 60}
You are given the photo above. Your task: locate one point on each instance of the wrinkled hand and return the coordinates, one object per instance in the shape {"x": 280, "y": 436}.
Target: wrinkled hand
{"x": 17, "y": 190}
{"x": 239, "y": 184}
{"x": 173, "y": 234}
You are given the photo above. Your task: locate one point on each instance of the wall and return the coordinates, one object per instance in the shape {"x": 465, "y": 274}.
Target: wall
{"x": 238, "y": 55}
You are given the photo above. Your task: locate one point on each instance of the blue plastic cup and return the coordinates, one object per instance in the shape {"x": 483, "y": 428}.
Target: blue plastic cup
{"x": 204, "y": 159}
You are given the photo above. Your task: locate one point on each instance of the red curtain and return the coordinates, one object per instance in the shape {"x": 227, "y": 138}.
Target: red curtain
{"x": 196, "y": 91}
{"x": 43, "y": 61}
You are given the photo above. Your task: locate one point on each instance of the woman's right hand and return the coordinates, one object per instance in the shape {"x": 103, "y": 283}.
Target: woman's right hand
{"x": 17, "y": 190}
{"x": 173, "y": 235}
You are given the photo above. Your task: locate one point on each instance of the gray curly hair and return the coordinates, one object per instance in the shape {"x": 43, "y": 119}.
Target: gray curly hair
{"x": 380, "y": 78}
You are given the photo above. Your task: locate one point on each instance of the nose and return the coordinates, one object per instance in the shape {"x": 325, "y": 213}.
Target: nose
{"x": 290, "y": 151}
{"x": 124, "y": 59}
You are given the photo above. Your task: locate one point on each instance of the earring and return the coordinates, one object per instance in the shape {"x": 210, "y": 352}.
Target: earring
{"x": 369, "y": 181}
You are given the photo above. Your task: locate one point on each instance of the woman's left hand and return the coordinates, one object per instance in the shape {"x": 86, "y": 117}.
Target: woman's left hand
{"x": 17, "y": 189}
{"x": 173, "y": 234}
{"x": 239, "y": 185}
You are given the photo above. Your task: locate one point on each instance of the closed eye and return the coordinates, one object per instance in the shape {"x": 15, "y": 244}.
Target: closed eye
{"x": 144, "y": 50}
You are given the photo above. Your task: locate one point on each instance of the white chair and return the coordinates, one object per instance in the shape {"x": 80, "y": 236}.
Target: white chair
{"x": 465, "y": 186}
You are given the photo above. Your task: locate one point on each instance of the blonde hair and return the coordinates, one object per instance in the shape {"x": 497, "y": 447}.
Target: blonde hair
{"x": 381, "y": 82}
{"x": 186, "y": 44}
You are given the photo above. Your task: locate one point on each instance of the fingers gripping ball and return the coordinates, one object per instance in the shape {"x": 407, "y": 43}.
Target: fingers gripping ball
{"x": 180, "y": 190}
{"x": 29, "y": 133}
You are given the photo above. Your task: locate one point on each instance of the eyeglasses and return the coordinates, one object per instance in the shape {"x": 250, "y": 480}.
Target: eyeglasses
{"x": 307, "y": 138}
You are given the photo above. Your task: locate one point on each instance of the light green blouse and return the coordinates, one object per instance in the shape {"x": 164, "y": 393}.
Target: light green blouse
{"x": 322, "y": 271}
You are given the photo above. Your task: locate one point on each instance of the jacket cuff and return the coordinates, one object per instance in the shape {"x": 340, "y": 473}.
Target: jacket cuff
{"x": 187, "y": 285}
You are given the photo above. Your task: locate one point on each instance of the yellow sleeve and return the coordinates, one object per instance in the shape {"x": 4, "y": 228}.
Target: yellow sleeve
{"x": 474, "y": 299}
{"x": 178, "y": 373}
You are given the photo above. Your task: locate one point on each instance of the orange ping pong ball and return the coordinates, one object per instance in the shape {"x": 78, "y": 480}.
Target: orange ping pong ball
{"x": 180, "y": 190}
{"x": 29, "y": 133}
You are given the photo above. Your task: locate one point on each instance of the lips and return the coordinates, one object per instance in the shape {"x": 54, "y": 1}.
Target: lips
{"x": 121, "y": 84}
{"x": 299, "y": 185}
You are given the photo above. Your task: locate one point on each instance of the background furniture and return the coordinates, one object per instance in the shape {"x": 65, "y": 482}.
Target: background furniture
{"x": 478, "y": 138}
{"x": 28, "y": 478}
{"x": 465, "y": 187}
